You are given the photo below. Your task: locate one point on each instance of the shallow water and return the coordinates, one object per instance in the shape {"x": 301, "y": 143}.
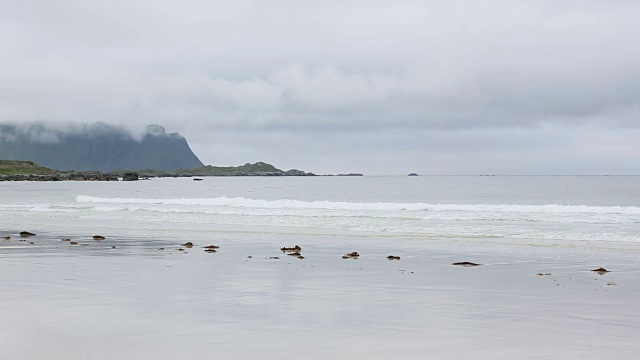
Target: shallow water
{"x": 60, "y": 301}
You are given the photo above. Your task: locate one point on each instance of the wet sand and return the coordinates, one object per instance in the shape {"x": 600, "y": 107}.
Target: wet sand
{"x": 91, "y": 301}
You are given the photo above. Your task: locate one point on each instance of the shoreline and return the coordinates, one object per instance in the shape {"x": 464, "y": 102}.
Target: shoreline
{"x": 118, "y": 176}
{"x": 137, "y": 301}
{"x": 488, "y": 254}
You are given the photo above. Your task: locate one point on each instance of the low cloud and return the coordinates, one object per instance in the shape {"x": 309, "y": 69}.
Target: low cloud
{"x": 48, "y": 132}
{"x": 312, "y": 74}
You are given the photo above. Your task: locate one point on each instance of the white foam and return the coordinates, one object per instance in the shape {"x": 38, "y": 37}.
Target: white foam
{"x": 240, "y": 202}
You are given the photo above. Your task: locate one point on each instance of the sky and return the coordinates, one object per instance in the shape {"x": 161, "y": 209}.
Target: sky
{"x": 376, "y": 87}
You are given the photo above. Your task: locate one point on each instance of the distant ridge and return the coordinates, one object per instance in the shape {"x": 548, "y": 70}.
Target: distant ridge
{"x": 256, "y": 169}
{"x": 98, "y": 146}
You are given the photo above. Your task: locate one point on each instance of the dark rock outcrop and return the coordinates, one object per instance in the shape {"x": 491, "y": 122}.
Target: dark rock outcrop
{"x": 130, "y": 176}
{"x": 62, "y": 176}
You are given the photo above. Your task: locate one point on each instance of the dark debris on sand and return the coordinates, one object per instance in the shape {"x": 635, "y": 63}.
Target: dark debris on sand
{"x": 465, "y": 264}
{"x": 296, "y": 248}
{"x": 351, "y": 255}
{"x": 290, "y": 251}
{"x": 601, "y": 270}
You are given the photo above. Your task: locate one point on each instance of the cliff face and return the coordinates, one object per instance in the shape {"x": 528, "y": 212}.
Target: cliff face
{"x": 96, "y": 147}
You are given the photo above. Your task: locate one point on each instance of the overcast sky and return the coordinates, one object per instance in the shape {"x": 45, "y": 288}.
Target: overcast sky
{"x": 378, "y": 87}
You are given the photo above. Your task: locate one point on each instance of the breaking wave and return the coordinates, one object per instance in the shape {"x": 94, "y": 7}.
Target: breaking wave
{"x": 240, "y": 202}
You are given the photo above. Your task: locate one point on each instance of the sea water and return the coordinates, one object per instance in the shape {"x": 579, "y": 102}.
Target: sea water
{"x": 152, "y": 297}
{"x": 537, "y": 209}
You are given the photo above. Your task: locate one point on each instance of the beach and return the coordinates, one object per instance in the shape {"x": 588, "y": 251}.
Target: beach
{"x": 533, "y": 295}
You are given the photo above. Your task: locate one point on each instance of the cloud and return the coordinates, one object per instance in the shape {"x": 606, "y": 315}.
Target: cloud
{"x": 48, "y": 132}
{"x": 318, "y": 70}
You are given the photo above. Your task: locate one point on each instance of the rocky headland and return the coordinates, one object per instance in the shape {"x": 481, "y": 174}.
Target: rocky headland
{"x": 96, "y": 147}
{"x": 14, "y": 170}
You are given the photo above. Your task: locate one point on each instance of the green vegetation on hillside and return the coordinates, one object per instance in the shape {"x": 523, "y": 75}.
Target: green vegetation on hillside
{"x": 257, "y": 168}
{"x": 15, "y": 167}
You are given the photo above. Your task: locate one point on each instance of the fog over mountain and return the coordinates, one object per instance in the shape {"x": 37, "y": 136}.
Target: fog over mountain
{"x": 379, "y": 87}
{"x": 96, "y": 146}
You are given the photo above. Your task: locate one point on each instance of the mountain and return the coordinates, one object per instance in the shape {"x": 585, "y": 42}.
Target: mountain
{"x": 96, "y": 146}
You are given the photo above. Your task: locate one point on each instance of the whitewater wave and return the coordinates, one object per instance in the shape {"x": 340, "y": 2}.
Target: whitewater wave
{"x": 241, "y": 202}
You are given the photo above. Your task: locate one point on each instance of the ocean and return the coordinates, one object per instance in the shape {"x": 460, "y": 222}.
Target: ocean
{"x": 151, "y": 296}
